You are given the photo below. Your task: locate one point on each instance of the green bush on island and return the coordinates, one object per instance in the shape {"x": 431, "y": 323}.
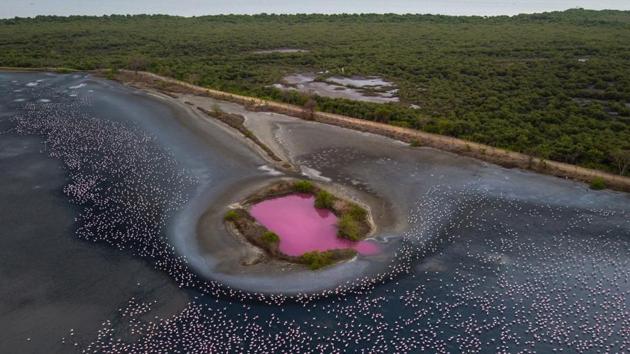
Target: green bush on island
{"x": 324, "y": 200}
{"x": 270, "y": 238}
{"x": 231, "y": 215}
{"x": 303, "y": 186}
{"x": 348, "y": 228}
{"x": 316, "y": 259}
{"x": 357, "y": 212}
{"x": 598, "y": 183}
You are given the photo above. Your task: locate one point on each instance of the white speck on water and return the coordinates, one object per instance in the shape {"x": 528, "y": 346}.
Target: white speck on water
{"x": 313, "y": 173}
{"x": 270, "y": 171}
{"x": 78, "y": 86}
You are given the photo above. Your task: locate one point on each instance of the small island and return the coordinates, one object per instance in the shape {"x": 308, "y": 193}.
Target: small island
{"x": 300, "y": 222}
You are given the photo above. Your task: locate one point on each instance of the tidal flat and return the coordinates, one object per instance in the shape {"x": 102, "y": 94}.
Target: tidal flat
{"x": 113, "y": 240}
{"x": 366, "y": 89}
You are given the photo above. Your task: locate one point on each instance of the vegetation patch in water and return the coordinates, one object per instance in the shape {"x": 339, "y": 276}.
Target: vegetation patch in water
{"x": 598, "y": 183}
{"x": 270, "y": 238}
{"x": 316, "y": 259}
{"x": 303, "y": 186}
{"x": 324, "y": 200}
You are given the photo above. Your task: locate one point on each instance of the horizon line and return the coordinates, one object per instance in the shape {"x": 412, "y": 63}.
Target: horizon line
{"x": 311, "y": 13}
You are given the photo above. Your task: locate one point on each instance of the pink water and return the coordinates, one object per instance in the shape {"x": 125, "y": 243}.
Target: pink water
{"x": 302, "y": 227}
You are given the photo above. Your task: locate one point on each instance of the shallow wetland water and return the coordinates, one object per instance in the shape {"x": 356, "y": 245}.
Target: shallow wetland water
{"x": 113, "y": 238}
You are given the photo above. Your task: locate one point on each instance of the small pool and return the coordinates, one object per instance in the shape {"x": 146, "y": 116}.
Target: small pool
{"x": 302, "y": 227}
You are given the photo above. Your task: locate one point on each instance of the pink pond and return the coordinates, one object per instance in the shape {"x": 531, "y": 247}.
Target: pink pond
{"x": 302, "y": 227}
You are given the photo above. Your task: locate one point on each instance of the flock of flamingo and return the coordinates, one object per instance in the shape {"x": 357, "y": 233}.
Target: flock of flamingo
{"x": 473, "y": 272}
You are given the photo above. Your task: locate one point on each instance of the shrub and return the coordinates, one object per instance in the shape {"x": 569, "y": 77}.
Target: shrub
{"x": 231, "y": 215}
{"x": 543, "y": 164}
{"x": 316, "y": 259}
{"x": 598, "y": 183}
{"x": 309, "y": 109}
{"x": 303, "y": 186}
{"x": 111, "y": 73}
{"x": 216, "y": 109}
{"x": 324, "y": 200}
{"x": 357, "y": 212}
{"x": 270, "y": 238}
{"x": 348, "y": 228}
{"x": 63, "y": 70}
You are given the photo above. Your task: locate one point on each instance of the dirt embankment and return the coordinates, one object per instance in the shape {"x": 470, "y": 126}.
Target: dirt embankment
{"x": 237, "y": 122}
{"x": 487, "y": 153}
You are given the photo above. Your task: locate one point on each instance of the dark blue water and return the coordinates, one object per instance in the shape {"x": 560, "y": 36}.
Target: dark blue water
{"x": 94, "y": 178}
{"x": 56, "y": 289}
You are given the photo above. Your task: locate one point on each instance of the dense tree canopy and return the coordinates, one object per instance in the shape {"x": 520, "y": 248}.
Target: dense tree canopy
{"x": 556, "y": 85}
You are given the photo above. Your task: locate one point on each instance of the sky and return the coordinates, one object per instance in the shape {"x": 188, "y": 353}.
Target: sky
{"x": 29, "y": 8}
